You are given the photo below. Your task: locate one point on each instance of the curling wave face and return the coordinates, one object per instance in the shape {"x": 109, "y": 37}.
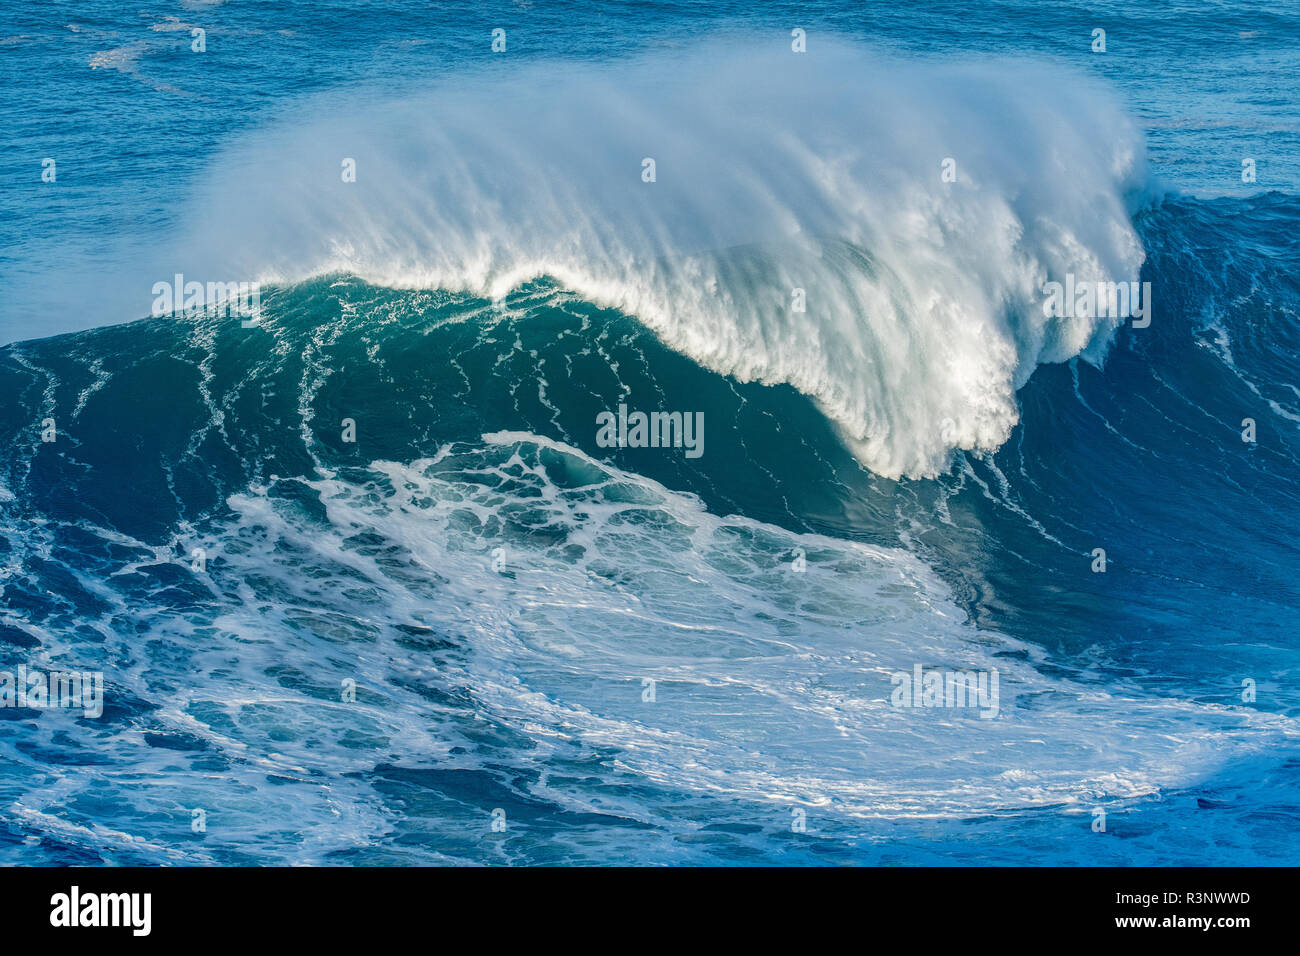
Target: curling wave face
{"x": 500, "y": 594}
{"x": 772, "y": 173}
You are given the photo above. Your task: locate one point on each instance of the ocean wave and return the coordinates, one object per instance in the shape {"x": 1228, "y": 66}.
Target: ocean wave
{"x": 487, "y": 686}
{"x": 774, "y": 172}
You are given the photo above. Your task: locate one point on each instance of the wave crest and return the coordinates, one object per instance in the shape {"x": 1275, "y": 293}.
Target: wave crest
{"x": 774, "y": 171}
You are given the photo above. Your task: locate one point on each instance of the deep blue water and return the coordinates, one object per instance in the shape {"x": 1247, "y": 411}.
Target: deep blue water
{"x": 504, "y": 591}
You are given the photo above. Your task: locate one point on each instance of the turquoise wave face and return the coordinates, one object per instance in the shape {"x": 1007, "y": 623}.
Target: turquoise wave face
{"x": 367, "y": 576}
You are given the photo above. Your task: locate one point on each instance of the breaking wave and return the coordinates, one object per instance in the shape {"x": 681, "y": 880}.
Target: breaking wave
{"x": 773, "y": 172}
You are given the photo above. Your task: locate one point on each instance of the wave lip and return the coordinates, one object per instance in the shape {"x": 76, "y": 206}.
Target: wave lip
{"x": 774, "y": 172}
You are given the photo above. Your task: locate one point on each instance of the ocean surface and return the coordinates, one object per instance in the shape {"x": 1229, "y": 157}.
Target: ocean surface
{"x": 366, "y": 586}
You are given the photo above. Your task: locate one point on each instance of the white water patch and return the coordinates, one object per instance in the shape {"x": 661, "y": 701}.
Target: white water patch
{"x": 774, "y": 171}
{"x": 565, "y": 585}
{"x": 498, "y": 609}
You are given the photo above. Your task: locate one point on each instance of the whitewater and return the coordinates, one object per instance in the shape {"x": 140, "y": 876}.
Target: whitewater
{"x": 775, "y": 173}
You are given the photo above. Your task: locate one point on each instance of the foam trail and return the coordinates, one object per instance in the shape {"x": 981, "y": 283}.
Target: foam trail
{"x": 772, "y": 682}
{"x": 774, "y": 171}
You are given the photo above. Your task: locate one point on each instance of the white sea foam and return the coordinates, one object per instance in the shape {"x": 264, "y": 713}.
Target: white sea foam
{"x": 499, "y": 609}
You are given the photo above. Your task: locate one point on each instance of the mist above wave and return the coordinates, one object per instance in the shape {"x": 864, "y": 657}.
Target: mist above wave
{"x": 773, "y": 172}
